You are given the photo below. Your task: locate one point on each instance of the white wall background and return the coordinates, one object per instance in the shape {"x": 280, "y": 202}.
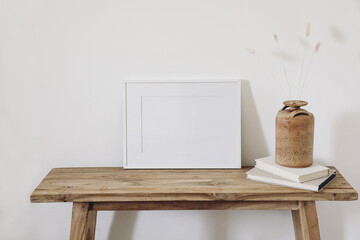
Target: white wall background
{"x": 62, "y": 64}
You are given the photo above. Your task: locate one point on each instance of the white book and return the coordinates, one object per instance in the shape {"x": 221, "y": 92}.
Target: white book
{"x": 316, "y": 185}
{"x": 298, "y": 175}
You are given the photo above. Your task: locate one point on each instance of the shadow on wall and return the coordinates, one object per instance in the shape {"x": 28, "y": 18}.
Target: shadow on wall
{"x": 123, "y": 225}
{"x": 336, "y": 216}
{"x": 253, "y": 144}
{"x": 217, "y": 223}
{"x": 337, "y": 34}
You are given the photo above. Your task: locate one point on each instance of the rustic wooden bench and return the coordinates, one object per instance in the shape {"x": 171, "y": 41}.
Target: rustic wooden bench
{"x": 99, "y": 189}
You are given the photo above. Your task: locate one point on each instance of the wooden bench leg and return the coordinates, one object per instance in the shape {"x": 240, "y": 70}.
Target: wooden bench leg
{"x": 83, "y": 222}
{"x": 305, "y": 221}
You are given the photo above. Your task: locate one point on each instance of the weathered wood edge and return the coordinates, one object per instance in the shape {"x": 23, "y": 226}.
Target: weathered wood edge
{"x": 39, "y": 198}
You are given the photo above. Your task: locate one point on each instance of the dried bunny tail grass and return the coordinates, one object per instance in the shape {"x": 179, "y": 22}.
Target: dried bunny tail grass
{"x": 287, "y": 80}
{"x": 283, "y": 67}
{"x": 275, "y": 79}
{"x": 251, "y": 51}
{"x": 301, "y": 73}
{"x": 316, "y": 49}
{"x": 307, "y": 34}
{"x": 317, "y": 46}
{"x": 307, "y": 30}
{"x": 275, "y": 37}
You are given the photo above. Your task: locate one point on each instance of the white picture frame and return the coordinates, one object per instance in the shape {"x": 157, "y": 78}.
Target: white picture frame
{"x": 182, "y": 124}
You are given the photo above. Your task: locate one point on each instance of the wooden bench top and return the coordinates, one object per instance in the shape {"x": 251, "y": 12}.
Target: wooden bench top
{"x": 119, "y": 185}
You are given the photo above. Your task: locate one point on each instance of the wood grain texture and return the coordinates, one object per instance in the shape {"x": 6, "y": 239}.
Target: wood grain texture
{"x": 83, "y": 222}
{"x": 198, "y": 205}
{"x": 297, "y": 224}
{"x": 305, "y": 220}
{"x": 91, "y": 225}
{"x": 119, "y": 185}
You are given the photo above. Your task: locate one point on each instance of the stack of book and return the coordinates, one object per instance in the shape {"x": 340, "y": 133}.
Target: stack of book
{"x": 313, "y": 178}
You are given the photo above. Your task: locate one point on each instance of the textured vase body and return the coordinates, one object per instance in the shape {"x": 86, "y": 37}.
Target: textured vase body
{"x": 294, "y": 135}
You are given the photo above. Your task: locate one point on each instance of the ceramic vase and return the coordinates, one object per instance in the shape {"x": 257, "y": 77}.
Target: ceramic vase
{"x": 294, "y": 132}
